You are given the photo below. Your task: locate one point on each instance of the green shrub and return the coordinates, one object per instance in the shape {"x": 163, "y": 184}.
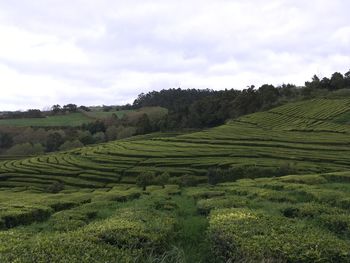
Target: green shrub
{"x": 145, "y": 179}
{"x": 339, "y": 224}
{"x": 245, "y": 235}
{"x": 54, "y": 188}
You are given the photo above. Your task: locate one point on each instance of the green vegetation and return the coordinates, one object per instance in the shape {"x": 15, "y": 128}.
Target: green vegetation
{"x": 289, "y": 138}
{"x": 69, "y": 119}
{"x": 299, "y": 218}
{"x": 279, "y": 191}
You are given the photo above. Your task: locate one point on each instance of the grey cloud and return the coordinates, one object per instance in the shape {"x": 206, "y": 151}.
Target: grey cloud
{"x": 114, "y": 50}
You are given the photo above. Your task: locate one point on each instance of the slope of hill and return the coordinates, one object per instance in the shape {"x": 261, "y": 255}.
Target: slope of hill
{"x": 100, "y": 218}
{"x": 304, "y": 135}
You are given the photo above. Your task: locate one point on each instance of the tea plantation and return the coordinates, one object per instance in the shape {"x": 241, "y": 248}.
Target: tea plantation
{"x": 100, "y": 215}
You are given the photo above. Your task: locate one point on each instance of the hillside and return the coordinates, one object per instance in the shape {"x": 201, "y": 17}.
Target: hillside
{"x": 100, "y": 217}
{"x": 69, "y": 119}
{"x": 306, "y": 136}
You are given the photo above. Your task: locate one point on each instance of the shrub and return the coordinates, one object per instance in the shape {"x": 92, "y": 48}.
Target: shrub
{"x": 244, "y": 235}
{"x": 55, "y": 187}
{"x": 218, "y": 175}
{"x": 162, "y": 179}
{"x": 70, "y": 145}
{"x": 145, "y": 179}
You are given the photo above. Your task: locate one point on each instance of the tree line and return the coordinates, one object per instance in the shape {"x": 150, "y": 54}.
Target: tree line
{"x": 195, "y": 108}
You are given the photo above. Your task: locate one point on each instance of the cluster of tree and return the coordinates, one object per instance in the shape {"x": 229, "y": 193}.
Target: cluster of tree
{"x": 34, "y": 141}
{"x": 193, "y": 108}
{"x": 336, "y": 82}
{"x": 69, "y": 108}
{"x": 32, "y": 113}
{"x": 35, "y": 113}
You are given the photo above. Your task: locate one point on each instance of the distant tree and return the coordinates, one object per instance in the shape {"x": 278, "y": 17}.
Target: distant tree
{"x": 26, "y": 149}
{"x": 347, "y": 79}
{"x": 99, "y": 137}
{"x": 125, "y": 132}
{"x": 162, "y": 179}
{"x": 107, "y": 108}
{"x": 144, "y": 125}
{"x": 6, "y": 140}
{"x": 67, "y": 145}
{"x": 111, "y": 133}
{"x": 337, "y": 81}
{"x": 54, "y": 141}
{"x": 145, "y": 179}
{"x": 325, "y": 83}
{"x": 34, "y": 113}
{"x": 268, "y": 95}
{"x": 70, "y": 108}
{"x": 314, "y": 84}
{"x": 85, "y": 137}
{"x": 94, "y": 127}
{"x": 84, "y": 108}
{"x": 56, "y": 109}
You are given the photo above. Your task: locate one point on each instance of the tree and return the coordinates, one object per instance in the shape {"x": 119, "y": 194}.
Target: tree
{"x": 162, "y": 179}
{"x": 99, "y": 137}
{"x": 85, "y": 137}
{"x": 268, "y": 95}
{"x": 70, "y": 145}
{"x": 94, "y": 127}
{"x": 111, "y": 133}
{"x": 54, "y": 141}
{"x": 6, "y": 140}
{"x": 125, "y": 132}
{"x": 337, "y": 81}
{"x": 70, "y": 108}
{"x": 56, "y": 109}
{"x": 347, "y": 79}
{"x": 145, "y": 179}
{"x": 84, "y": 108}
{"x": 144, "y": 125}
{"x": 26, "y": 149}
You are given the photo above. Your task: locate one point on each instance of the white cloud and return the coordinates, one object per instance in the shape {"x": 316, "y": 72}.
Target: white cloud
{"x": 95, "y": 52}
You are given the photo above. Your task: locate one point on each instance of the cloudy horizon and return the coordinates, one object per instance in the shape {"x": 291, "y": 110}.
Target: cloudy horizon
{"x": 107, "y": 52}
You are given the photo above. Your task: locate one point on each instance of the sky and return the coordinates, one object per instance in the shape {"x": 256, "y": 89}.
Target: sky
{"x": 94, "y": 52}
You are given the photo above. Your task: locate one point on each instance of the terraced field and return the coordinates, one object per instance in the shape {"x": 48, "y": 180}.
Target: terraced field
{"x": 303, "y": 135}
{"x": 298, "y": 218}
{"x": 101, "y": 216}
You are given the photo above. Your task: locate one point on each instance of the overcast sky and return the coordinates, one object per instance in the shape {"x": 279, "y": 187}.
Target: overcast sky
{"x": 95, "y": 52}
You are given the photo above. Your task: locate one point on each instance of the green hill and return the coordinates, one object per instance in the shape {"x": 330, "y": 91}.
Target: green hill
{"x": 304, "y": 135}
{"x": 69, "y": 119}
{"x": 101, "y": 216}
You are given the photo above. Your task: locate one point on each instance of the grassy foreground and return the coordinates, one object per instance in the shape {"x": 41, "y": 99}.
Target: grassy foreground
{"x": 287, "y": 219}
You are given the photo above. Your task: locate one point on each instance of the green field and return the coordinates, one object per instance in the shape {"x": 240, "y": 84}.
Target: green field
{"x": 101, "y": 215}
{"x": 290, "y": 135}
{"x": 71, "y": 119}
{"x": 106, "y": 114}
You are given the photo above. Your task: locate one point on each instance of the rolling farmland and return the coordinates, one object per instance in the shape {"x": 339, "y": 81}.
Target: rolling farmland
{"x": 289, "y": 135}
{"x": 101, "y": 215}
